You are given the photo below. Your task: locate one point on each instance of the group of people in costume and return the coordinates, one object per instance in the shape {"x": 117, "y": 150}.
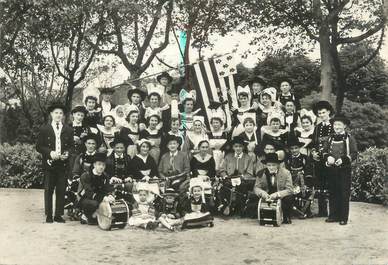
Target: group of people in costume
{"x": 157, "y": 153}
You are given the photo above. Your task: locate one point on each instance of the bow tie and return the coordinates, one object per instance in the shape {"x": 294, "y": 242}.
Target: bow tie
{"x": 238, "y": 155}
{"x": 338, "y": 137}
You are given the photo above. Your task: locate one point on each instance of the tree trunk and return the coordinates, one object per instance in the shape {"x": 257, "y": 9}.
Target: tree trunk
{"x": 326, "y": 62}
{"x": 340, "y": 78}
{"x": 69, "y": 98}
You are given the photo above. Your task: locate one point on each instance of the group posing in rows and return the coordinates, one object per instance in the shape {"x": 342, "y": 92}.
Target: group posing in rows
{"x": 157, "y": 153}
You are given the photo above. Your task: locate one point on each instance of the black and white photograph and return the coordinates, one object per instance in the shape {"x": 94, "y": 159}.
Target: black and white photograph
{"x": 189, "y": 132}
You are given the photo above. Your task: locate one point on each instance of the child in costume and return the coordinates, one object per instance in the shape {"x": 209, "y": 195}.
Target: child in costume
{"x": 306, "y": 130}
{"x": 341, "y": 152}
{"x": 169, "y": 210}
{"x": 143, "y": 211}
{"x": 195, "y": 210}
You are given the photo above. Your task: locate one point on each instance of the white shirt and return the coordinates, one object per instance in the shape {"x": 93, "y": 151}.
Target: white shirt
{"x": 173, "y": 154}
{"x": 119, "y": 156}
{"x": 57, "y": 133}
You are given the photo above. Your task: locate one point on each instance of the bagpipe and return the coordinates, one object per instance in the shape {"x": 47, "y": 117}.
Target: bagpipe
{"x": 303, "y": 200}
{"x": 71, "y": 199}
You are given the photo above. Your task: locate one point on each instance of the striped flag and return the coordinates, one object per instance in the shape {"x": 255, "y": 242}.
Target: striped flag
{"x": 213, "y": 81}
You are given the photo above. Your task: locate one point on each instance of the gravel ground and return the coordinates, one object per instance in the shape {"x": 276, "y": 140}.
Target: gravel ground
{"x": 26, "y": 239}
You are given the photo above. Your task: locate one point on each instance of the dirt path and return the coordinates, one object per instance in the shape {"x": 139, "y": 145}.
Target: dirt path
{"x": 26, "y": 239}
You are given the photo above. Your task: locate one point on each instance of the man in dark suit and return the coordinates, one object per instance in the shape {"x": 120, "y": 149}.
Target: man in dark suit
{"x": 55, "y": 140}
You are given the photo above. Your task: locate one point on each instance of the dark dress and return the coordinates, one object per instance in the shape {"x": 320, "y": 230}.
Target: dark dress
{"x": 139, "y": 168}
{"x": 208, "y": 166}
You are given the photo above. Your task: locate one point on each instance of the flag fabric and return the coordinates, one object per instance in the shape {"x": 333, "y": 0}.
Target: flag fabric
{"x": 213, "y": 81}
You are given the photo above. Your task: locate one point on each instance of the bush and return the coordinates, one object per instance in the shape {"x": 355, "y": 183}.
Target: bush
{"x": 369, "y": 122}
{"x": 370, "y": 176}
{"x": 20, "y": 166}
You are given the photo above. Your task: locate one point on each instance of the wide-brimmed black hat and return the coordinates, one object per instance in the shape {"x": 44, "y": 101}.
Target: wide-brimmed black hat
{"x": 170, "y": 192}
{"x": 107, "y": 90}
{"x": 294, "y": 141}
{"x": 166, "y": 75}
{"x": 286, "y": 79}
{"x": 340, "y": 117}
{"x": 214, "y": 104}
{"x": 101, "y": 157}
{"x": 56, "y": 105}
{"x": 323, "y": 104}
{"x": 271, "y": 158}
{"x": 90, "y": 136}
{"x": 79, "y": 109}
{"x": 258, "y": 79}
{"x": 238, "y": 140}
{"x": 170, "y": 138}
{"x": 136, "y": 90}
{"x": 118, "y": 140}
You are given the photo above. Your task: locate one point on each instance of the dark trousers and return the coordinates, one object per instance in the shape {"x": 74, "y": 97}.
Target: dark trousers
{"x": 55, "y": 180}
{"x": 287, "y": 203}
{"x": 321, "y": 176}
{"x": 339, "y": 193}
{"x": 88, "y": 206}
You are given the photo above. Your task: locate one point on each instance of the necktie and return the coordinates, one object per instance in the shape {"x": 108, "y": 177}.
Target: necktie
{"x": 172, "y": 162}
{"x": 57, "y": 125}
{"x": 237, "y": 160}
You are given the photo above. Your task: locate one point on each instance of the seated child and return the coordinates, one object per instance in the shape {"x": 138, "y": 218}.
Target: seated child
{"x": 143, "y": 211}
{"x": 168, "y": 210}
{"x": 195, "y": 210}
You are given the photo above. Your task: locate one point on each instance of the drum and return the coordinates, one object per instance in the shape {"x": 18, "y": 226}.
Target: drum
{"x": 113, "y": 215}
{"x": 269, "y": 213}
{"x": 197, "y": 220}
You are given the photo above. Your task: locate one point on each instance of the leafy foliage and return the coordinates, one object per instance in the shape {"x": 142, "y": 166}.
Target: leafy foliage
{"x": 20, "y": 166}
{"x": 370, "y": 174}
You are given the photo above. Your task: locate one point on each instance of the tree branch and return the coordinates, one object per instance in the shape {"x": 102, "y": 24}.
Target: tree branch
{"x": 362, "y": 36}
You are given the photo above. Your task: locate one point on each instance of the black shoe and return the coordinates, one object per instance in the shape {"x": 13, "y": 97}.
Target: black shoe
{"x": 287, "y": 220}
{"x": 330, "y": 220}
{"x": 343, "y": 222}
{"x": 92, "y": 221}
{"x": 59, "y": 219}
{"x": 49, "y": 219}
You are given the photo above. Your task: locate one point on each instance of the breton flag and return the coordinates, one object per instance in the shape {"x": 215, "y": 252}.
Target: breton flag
{"x": 213, "y": 81}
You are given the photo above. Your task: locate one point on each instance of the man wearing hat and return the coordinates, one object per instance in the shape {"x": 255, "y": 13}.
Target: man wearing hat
{"x": 257, "y": 84}
{"x": 135, "y": 100}
{"x": 84, "y": 161}
{"x": 342, "y": 150}
{"x": 118, "y": 165}
{"x": 323, "y": 130}
{"x": 106, "y": 100}
{"x": 237, "y": 171}
{"x": 55, "y": 141}
{"x": 286, "y": 94}
{"x": 93, "y": 188}
{"x": 173, "y": 162}
{"x": 275, "y": 182}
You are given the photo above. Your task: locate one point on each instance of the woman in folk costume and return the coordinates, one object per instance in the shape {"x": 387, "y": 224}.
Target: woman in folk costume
{"x": 251, "y": 134}
{"x": 143, "y": 166}
{"x": 106, "y": 100}
{"x": 154, "y": 106}
{"x": 306, "y": 130}
{"x": 164, "y": 82}
{"x": 188, "y": 113}
{"x": 154, "y": 134}
{"x": 274, "y": 132}
{"x": 268, "y": 105}
{"x": 243, "y": 96}
{"x": 143, "y": 211}
{"x": 131, "y": 133}
{"x": 217, "y": 138}
{"x": 93, "y": 115}
{"x": 107, "y": 133}
{"x": 257, "y": 85}
{"x": 135, "y": 100}
{"x": 120, "y": 118}
{"x": 196, "y": 135}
